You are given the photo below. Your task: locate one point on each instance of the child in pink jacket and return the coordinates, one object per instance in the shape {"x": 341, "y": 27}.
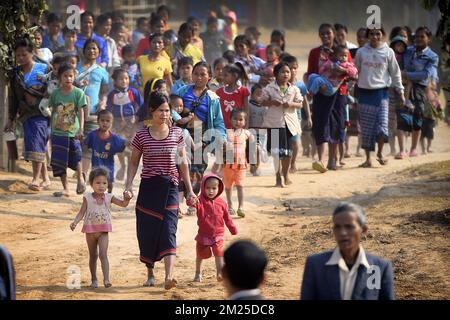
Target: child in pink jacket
{"x": 212, "y": 216}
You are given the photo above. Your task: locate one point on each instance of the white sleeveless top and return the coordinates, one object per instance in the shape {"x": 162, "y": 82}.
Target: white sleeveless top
{"x": 98, "y": 215}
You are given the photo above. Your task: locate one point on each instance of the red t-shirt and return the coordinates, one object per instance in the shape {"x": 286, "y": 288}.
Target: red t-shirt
{"x": 230, "y": 101}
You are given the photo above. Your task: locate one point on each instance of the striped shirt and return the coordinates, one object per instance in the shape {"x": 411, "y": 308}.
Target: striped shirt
{"x": 159, "y": 155}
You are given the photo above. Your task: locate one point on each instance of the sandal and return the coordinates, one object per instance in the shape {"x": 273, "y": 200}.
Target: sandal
{"x": 318, "y": 166}
{"x": 34, "y": 187}
{"x": 59, "y": 194}
{"x": 231, "y": 212}
{"x": 382, "y": 161}
{"x": 169, "y": 284}
{"x": 413, "y": 154}
{"x": 46, "y": 186}
{"x": 241, "y": 213}
{"x": 401, "y": 155}
{"x": 365, "y": 165}
{"x": 180, "y": 214}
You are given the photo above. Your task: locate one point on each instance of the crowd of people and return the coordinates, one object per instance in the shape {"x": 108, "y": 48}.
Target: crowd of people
{"x": 84, "y": 96}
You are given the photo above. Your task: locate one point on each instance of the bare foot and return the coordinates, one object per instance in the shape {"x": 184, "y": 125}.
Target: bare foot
{"x": 287, "y": 181}
{"x": 46, "y": 185}
{"x": 170, "y": 283}
{"x": 279, "y": 183}
{"x": 198, "y": 277}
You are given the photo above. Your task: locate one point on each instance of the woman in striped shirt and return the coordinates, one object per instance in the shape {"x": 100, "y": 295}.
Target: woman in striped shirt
{"x": 157, "y": 202}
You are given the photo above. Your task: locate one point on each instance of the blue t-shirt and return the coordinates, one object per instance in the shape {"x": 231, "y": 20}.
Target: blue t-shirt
{"x": 96, "y": 78}
{"x": 304, "y": 91}
{"x": 103, "y": 151}
{"x": 103, "y": 55}
{"x": 201, "y": 111}
{"x": 177, "y": 85}
{"x": 31, "y": 78}
{"x": 124, "y": 104}
{"x": 47, "y": 42}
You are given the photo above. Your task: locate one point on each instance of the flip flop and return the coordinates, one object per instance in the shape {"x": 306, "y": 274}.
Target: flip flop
{"x": 241, "y": 213}
{"x": 34, "y": 187}
{"x": 365, "y": 165}
{"x": 382, "y": 161}
{"x": 46, "y": 187}
{"x": 59, "y": 194}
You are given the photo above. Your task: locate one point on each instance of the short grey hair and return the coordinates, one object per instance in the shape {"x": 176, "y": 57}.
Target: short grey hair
{"x": 353, "y": 207}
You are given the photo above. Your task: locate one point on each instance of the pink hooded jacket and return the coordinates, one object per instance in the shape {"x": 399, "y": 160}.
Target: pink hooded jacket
{"x": 212, "y": 215}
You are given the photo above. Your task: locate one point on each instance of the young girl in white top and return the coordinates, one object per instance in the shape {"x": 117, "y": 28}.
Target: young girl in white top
{"x": 96, "y": 211}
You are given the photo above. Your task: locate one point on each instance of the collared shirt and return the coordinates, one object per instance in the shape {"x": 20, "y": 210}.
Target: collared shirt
{"x": 420, "y": 66}
{"x": 347, "y": 278}
{"x": 279, "y": 117}
{"x": 245, "y": 293}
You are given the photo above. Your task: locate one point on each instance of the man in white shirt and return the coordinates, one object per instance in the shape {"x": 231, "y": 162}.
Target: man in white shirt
{"x": 347, "y": 272}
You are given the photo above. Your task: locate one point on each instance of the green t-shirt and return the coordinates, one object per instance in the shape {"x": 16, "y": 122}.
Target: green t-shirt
{"x": 65, "y": 109}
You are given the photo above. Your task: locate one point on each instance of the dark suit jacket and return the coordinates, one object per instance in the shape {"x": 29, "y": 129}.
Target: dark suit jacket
{"x": 321, "y": 282}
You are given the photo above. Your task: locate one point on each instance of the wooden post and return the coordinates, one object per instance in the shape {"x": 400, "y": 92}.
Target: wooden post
{"x": 3, "y": 120}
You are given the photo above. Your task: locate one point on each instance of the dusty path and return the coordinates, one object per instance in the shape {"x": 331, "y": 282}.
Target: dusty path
{"x": 290, "y": 223}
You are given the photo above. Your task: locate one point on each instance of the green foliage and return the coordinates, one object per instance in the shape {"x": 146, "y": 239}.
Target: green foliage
{"x": 15, "y": 20}
{"x": 428, "y": 4}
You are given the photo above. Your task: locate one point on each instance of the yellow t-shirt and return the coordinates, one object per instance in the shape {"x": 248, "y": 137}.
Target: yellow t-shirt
{"x": 190, "y": 51}
{"x": 153, "y": 69}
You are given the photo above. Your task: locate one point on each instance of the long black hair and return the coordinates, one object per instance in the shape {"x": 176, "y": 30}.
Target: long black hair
{"x": 238, "y": 69}
{"x": 155, "y": 100}
{"x": 24, "y": 42}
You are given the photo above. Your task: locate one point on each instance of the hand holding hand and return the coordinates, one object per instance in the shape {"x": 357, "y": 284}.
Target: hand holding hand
{"x": 128, "y": 195}
{"x": 192, "y": 199}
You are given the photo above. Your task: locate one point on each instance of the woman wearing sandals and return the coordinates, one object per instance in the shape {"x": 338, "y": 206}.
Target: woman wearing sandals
{"x": 378, "y": 70}
{"x": 157, "y": 215}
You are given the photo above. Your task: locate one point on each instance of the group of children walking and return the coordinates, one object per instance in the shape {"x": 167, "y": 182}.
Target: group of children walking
{"x": 264, "y": 109}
